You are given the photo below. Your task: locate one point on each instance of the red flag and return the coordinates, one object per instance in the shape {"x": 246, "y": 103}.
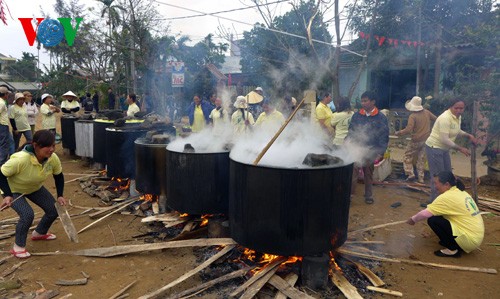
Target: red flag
{"x": 361, "y": 34}
{"x": 380, "y": 40}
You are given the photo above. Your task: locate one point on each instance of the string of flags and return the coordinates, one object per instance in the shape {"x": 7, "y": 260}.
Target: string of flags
{"x": 391, "y": 41}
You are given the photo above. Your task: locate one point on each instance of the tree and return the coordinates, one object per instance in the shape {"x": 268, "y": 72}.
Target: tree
{"x": 25, "y": 69}
{"x": 288, "y": 63}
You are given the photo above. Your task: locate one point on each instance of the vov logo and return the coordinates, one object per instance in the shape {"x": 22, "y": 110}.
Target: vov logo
{"x": 50, "y": 32}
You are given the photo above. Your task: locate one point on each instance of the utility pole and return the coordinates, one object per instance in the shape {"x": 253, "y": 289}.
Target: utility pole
{"x": 419, "y": 68}
{"x": 437, "y": 63}
{"x": 132, "y": 50}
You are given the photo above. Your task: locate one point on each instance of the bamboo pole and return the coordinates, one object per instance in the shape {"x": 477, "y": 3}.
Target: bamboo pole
{"x": 5, "y": 207}
{"x": 266, "y": 148}
{"x": 120, "y": 292}
{"x": 473, "y": 171}
{"x": 104, "y": 217}
{"x": 377, "y": 226}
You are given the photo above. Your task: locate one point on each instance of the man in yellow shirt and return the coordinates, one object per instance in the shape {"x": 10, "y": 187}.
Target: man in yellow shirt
{"x": 324, "y": 114}
{"x": 47, "y": 110}
{"x": 18, "y": 115}
{"x": 271, "y": 118}
{"x": 453, "y": 216}
{"x": 5, "y": 137}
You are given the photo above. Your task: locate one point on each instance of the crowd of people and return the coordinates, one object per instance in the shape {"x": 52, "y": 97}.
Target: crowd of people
{"x": 452, "y": 214}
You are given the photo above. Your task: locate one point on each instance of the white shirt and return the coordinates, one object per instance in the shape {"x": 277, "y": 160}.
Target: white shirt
{"x": 32, "y": 110}
{"x": 132, "y": 109}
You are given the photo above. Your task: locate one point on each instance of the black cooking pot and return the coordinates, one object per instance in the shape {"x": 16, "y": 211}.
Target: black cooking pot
{"x": 198, "y": 182}
{"x": 68, "y": 131}
{"x": 289, "y": 212}
{"x": 120, "y": 151}
{"x": 100, "y": 125}
{"x": 150, "y": 167}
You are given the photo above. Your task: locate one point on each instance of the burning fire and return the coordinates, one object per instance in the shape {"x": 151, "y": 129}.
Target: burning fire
{"x": 119, "y": 184}
{"x": 333, "y": 263}
{"x": 184, "y": 215}
{"x": 149, "y": 197}
{"x": 204, "y": 219}
{"x": 263, "y": 259}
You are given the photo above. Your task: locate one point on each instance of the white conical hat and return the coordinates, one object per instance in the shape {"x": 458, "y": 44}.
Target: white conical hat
{"x": 69, "y": 94}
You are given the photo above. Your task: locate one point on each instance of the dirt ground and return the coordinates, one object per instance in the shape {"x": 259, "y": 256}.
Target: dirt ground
{"x": 153, "y": 270}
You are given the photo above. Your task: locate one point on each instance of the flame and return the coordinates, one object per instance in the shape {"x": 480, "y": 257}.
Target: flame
{"x": 333, "y": 263}
{"x": 183, "y": 215}
{"x": 119, "y": 184}
{"x": 293, "y": 260}
{"x": 148, "y": 197}
{"x": 267, "y": 258}
{"x": 204, "y": 219}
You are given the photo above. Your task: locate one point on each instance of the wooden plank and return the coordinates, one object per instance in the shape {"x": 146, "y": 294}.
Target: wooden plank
{"x": 365, "y": 242}
{"x": 385, "y": 291}
{"x": 258, "y": 275}
{"x": 120, "y": 292}
{"x": 254, "y": 288}
{"x": 8, "y": 272}
{"x": 75, "y": 282}
{"x": 106, "y": 216}
{"x": 372, "y": 277}
{"x": 349, "y": 291}
{"x": 66, "y": 222}
{"x": 377, "y": 226}
{"x": 126, "y": 249}
{"x": 187, "y": 275}
{"x": 211, "y": 283}
{"x": 291, "y": 279}
{"x": 162, "y": 218}
{"x": 288, "y": 290}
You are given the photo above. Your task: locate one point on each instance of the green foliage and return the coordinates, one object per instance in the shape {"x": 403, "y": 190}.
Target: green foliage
{"x": 24, "y": 69}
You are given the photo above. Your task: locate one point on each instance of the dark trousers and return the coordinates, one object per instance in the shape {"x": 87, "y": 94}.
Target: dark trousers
{"x": 367, "y": 178}
{"x": 44, "y": 200}
{"x": 5, "y": 143}
{"x": 438, "y": 160}
{"x": 17, "y": 138}
{"x": 442, "y": 228}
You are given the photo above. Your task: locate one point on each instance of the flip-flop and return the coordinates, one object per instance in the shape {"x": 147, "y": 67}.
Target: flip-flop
{"x": 442, "y": 254}
{"x": 43, "y": 237}
{"x": 22, "y": 254}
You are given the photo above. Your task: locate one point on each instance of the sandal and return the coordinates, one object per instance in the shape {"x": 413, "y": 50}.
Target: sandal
{"x": 22, "y": 254}
{"x": 440, "y": 253}
{"x": 369, "y": 201}
{"x": 43, "y": 237}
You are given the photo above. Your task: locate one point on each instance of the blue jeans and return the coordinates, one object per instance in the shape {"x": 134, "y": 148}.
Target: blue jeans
{"x": 17, "y": 138}
{"x": 438, "y": 160}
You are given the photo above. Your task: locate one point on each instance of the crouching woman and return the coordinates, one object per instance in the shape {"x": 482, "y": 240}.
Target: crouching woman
{"x": 21, "y": 177}
{"x": 453, "y": 216}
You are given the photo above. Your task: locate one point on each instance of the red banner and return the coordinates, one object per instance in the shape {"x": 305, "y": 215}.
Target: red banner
{"x": 391, "y": 41}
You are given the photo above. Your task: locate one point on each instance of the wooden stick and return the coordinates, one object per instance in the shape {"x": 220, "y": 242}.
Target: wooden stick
{"x": 82, "y": 177}
{"x": 287, "y": 289}
{"x": 266, "y": 148}
{"x": 435, "y": 265}
{"x": 291, "y": 279}
{"x": 253, "y": 289}
{"x": 211, "y": 283}
{"x": 344, "y": 286}
{"x": 8, "y": 272}
{"x": 75, "y": 282}
{"x": 372, "y": 277}
{"x": 365, "y": 242}
{"x": 106, "y": 216}
{"x": 473, "y": 173}
{"x": 126, "y": 249}
{"x": 120, "y": 292}
{"x": 205, "y": 264}
{"x": 377, "y": 226}
{"x": 105, "y": 210}
{"x": 257, "y": 276}
{"x": 5, "y": 207}
{"x": 66, "y": 222}
{"x": 385, "y": 291}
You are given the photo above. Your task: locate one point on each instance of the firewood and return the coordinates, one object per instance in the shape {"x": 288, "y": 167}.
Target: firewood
{"x": 47, "y": 294}
{"x": 211, "y": 283}
{"x": 122, "y": 291}
{"x": 75, "y": 282}
{"x": 82, "y": 177}
{"x": 191, "y": 234}
{"x": 385, "y": 291}
{"x": 344, "y": 286}
{"x": 435, "y": 265}
{"x": 171, "y": 224}
{"x": 105, "y": 210}
{"x": 257, "y": 276}
{"x": 372, "y": 277}
{"x": 8, "y": 272}
{"x": 126, "y": 249}
{"x": 5, "y": 258}
{"x": 287, "y": 289}
{"x": 66, "y": 222}
{"x": 365, "y": 242}
{"x": 187, "y": 275}
{"x": 191, "y": 225}
{"x": 253, "y": 289}
{"x": 377, "y": 226}
{"x": 291, "y": 279}
{"x": 107, "y": 215}
{"x": 162, "y": 218}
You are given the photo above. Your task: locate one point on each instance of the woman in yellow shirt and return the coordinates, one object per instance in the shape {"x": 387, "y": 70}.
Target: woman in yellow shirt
{"x": 453, "y": 216}
{"x": 341, "y": 120}
{"x": 21, "y": 177}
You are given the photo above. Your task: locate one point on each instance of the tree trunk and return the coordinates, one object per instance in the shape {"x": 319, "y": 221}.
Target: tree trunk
{"x": 437, "y": 63}
{"x": 336, "y": 59}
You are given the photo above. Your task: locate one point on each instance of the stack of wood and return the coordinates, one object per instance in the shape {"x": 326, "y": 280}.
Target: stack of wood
{"x": 106, "y": 189}
{"x": 489, "y": 204}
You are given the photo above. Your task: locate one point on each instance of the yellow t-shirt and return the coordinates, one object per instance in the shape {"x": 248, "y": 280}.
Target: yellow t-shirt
{"x": 132, "y": 109}
{"x": 25, "y": 174}
{"x": 446, "y": 123}
{"x": 48, "y": 117}
{"x": 199, "y": 119}
{"x": 70, "y": 105}
{"x": 20, "y": 117}
{"x": 4, "y": 118}
{"x": 239, "y": 123}
{"x": 459, "y": 208}
{"x": 325, "y": 114}
{"x": 273, "y": 119}
{"x": 218, "y": 118}
{"x": 341, "y": 121}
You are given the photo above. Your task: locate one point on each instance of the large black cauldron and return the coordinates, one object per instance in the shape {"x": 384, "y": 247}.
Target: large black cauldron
{"x": 198, "y": 182}
{"x": 150, "y": 170}
{"x": 120, "y": 155}
{"x": 100, "y": 141}
{"x": 68, "y": 132}
{"x": 300, "y": 212}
